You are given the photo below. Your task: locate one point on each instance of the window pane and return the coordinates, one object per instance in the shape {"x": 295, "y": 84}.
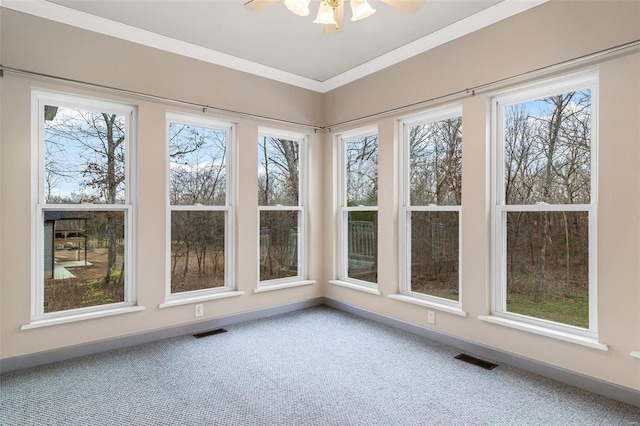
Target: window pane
{"x": 435, "y": 163}
{"x": 277, "y": 172}
{"x": 197, "y": 169}
{"x": 197, "y": 250}
{"x": 83, "y": 259}
{"x": 548, "y": 266}
{"x": 362, "y": 245}
{"x": 84, "y": 159}
{"x": 547, "y": 150}
{"x": 434, "y": 253}
{"x": 279, "y": 241}
{"x": 362, "y": 171}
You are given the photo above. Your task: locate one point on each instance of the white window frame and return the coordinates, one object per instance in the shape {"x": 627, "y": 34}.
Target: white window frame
{"x": 302, "y": 277}
{"x": 427, "y": 117}
{"x": 344, "y": 210}
{"x": 39, "y": 318}
{"x": 174, "y": 299}
{"x": 499, "y": 210}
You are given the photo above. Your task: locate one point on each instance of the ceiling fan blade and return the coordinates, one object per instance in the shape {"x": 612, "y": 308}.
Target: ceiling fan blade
{"x": 338, "y": 15}
{"x": 259, "y": 4}
{"x": 409, "y": 6}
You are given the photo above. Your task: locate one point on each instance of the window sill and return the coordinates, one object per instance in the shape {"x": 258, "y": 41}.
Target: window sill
{"x": 280, "y": 286}
{"x": 81, "y": 317}
{"x": 354, "y": 286}
{"x": 428, "y": 304}
{"x": 547, "y": 332}
{"x": 635, "y": 354}
{"x": 196, "y": 299}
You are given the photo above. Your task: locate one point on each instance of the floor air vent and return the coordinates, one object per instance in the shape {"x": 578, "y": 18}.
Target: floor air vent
{"x": 476, "y": 361}
{"x": 209, "y": 333}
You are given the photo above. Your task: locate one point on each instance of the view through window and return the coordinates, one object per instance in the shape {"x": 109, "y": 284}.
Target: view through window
{"x": 546, "y": 206}
{"x": 199, "y": 203}
{"x": 433, "y": 197}
{"x": 281, "y": 206}
{"x": 359, "y": 208}
{"x": 84, "y": 203}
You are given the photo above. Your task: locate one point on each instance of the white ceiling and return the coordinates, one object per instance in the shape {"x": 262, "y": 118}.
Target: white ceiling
{"x": 274, "y": 42}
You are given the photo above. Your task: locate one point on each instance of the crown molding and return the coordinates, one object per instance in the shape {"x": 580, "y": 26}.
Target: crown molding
{"x": 489, "y": 16}
{"x": 58, "y": 13}
{"x": 86, "y": 21}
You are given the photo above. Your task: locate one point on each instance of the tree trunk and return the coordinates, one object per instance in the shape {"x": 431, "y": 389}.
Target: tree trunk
{"x": 559, "y": 102}
{"x": 111, "y": 186}
{"x": 543, "y": 257}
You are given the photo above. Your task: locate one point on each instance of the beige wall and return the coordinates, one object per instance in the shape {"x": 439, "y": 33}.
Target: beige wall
{"x": 545, "y": 35}
{"x": 549, "y": 34}
{"x": 39, "y": 45}
{"x": 542, "y": 36}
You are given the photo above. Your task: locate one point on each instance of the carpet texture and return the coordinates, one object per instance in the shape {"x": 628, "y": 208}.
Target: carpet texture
{"x": 317, "y": 366}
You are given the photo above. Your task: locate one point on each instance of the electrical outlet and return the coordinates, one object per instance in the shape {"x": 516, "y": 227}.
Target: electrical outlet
{"x": 199, "y": 310}
{"x": 431, "y": 317}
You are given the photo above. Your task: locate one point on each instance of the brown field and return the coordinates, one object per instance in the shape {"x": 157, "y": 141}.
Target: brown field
{"x": 89, "y": 287}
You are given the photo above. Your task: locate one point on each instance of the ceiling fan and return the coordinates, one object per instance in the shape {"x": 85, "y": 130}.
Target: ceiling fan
{"x": 331, "y": 12}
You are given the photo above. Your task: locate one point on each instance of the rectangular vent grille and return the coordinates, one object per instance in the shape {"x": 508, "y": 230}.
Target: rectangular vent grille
{"x": 476, "y": 361}
{"x": 209, "y": 333}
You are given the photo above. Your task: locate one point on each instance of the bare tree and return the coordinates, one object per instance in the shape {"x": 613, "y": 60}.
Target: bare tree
{"x": 435, "y": 178}
{"x": 86, "y": 149}
{"x": 362, "y": 171}
{"x": 547, "y": 161}
{"x": 435, "y": 157}
{"x": 278, "y": 184}
{"x": 197, "y": 177}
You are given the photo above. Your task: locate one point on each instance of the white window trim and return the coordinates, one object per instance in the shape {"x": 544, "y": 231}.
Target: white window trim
{"x": 199, "y": 296}
{"x": 283, "y": 284}
{"x": 540, "y": 328}
{"x": 343, "y": 258}
{"x": 499, "y": 314}
{"x": 75, "y": 315}
{"x": 302, "y": 277}
{"x": 39, "y": 318}
{"x": 228, "y": 290}
{"x": 353, "y": 284}
{"x": 428, "y": 303}
{"x": 406, "y": 294}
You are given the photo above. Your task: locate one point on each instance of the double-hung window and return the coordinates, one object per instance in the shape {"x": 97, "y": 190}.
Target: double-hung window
{"x": 199, "y": 206}
{"x": 430, "y": 217}
{"x": 358, "y": 246}
{"x": 545, "y": 205}
{"x": 281, "y": 205}
{"x": 84, "y": 207}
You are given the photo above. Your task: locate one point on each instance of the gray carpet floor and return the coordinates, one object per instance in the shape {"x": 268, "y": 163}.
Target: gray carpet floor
{"x": 317, "y": 366}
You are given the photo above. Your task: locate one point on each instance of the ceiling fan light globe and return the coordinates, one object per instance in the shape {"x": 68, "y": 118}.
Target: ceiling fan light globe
{"x": 299, "y": 7}
{"x": 361, "y": 9}
{"x": 325, "y": 15}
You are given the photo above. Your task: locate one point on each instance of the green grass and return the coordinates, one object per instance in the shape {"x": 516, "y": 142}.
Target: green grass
{"x": 565, "y": 307}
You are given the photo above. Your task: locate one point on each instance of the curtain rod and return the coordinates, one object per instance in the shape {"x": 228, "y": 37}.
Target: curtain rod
{"x": 471, "y": 91}
{"x": 163, "y": 99}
